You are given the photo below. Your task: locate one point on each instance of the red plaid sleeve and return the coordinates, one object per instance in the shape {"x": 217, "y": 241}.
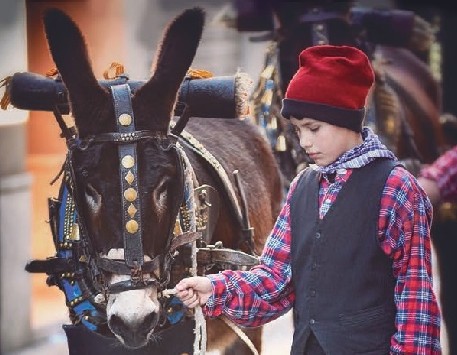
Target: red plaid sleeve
{"x": 404, "y": 233}
{"x": 264, "y": 293}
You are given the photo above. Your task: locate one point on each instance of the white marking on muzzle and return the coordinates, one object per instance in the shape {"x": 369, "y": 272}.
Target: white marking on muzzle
{"x": 132, "y": 306}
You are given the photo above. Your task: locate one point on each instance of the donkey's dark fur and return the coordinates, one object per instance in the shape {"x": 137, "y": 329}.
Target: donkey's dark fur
{"x": 237, "y": 144}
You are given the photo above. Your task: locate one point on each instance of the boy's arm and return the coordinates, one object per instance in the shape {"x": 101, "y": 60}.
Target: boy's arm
{"x": 404, "y": 232}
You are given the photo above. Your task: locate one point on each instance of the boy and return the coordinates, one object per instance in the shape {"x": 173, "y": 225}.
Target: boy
{"x": 350, "y": 250}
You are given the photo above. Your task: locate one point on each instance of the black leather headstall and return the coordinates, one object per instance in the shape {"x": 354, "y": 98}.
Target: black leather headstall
{"x": 78, "y": 269}
{"x": 126, "y": 139}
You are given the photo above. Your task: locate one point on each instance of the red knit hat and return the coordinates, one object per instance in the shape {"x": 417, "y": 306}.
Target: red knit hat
{"x": 331, "y": 85}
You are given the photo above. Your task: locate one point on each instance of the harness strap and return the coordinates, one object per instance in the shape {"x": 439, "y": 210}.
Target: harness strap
{"x": 184, "y": 238}
{"x": 319, "y": 15}
{"x": 131, "y": 204}
{"x": 189, "y": 202}
{"x": 213, "y": 255}
{"x": 120, "y": 268}
{"x": 191, "y": 142}
{"x": 50, "y": 266}
{"x": 319, "y": 33}
{"x": 129, "y": 137}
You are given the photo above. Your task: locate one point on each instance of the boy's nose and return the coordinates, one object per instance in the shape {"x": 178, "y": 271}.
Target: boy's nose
{"x": 304, "y": 142}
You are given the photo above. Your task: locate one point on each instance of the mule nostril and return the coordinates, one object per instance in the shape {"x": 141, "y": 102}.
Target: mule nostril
{"x": 133, "y": 335}
{"x": 149, "y": 322}
{"x": 117, "y": 325}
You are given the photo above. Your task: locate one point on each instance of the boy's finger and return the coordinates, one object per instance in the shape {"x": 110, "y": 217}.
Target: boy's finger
{"x": 184, "y": 284}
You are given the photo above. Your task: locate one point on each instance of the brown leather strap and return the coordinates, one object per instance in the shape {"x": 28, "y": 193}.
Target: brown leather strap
{"x": 184, "y": 238}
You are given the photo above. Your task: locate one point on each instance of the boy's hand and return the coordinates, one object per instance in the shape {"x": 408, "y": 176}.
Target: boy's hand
{"x": 194, "y": 291}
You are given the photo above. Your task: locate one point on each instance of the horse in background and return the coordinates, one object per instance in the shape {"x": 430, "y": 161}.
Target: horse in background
{"x": 405, "y": 105}
{"x": 135, "y": 180}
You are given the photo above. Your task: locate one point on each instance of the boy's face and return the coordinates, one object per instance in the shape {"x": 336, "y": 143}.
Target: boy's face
{"x": 324, "y": 142}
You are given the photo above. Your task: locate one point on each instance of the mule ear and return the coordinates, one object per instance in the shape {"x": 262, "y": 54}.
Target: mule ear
{"x": 174, "y": 56}
{"x": 69, "y": 52}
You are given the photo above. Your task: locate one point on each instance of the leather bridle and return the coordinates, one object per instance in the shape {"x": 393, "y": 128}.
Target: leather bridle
{"x": 126, "y": 139}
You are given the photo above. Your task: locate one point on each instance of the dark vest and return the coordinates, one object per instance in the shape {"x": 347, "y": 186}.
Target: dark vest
{"x": 343, "y": 280}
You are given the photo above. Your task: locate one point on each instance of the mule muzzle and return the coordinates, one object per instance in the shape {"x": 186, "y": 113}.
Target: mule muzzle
{"x": 134, "y": 337}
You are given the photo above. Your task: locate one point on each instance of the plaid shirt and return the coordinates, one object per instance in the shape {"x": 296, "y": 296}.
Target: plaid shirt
{"x": 444, "y": 172}
{"x": 264, "y": 293}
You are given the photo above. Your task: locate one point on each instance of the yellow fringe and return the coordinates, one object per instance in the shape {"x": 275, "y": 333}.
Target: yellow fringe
{"x": 113, "y": 71}
{"x": 199, "y": 73}
{"x": 6, "y": 100}
{"x": 52, "y": 72}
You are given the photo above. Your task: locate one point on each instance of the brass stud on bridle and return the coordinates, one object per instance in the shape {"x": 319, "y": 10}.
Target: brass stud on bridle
{"x": 129, "y": 177}
{"x": 132, "y": 210}
{"x": 125, "y": 119}
{"x": 130, "y": 194}
{"x": 131, "y": 226}
{"x": 128, "y": 161}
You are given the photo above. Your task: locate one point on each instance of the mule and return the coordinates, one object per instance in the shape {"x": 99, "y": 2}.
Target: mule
{"x": 127, "y": 169}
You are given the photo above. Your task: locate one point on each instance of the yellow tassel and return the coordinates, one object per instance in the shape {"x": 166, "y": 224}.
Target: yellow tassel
{"x": 281, "y": 145}
{"x": 6, "y": 100}
{"x": 113, "y": 71}
{"x": 52, "y": 72}
{"x": 177, "y": 229}
{"x": 272, "y": 124}
{"x": 267, "y": 98}
{"x": 199, "y": 73}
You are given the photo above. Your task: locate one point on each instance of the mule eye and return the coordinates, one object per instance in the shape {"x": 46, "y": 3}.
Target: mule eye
{"x": 160, "y": 193}
{"x": 93, "y": 198}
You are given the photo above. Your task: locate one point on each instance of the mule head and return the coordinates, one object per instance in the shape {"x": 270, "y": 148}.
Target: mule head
{"x": 99, "y": 167}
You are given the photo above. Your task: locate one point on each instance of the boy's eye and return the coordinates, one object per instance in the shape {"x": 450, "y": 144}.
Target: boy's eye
{"x": 314, "y": 129}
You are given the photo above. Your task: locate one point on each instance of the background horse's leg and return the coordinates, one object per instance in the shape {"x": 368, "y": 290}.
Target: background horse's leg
{"x": 223, "y": 338}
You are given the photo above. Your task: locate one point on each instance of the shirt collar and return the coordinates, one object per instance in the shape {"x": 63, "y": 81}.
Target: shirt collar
{"x": 370, "y": 149}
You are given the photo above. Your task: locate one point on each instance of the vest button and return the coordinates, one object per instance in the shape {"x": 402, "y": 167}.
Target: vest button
{"x": 318, "y": 235}
{"x": 313, "y": 293}
{"x": 312, "y": 321}
{"x": 314, "y": 266}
